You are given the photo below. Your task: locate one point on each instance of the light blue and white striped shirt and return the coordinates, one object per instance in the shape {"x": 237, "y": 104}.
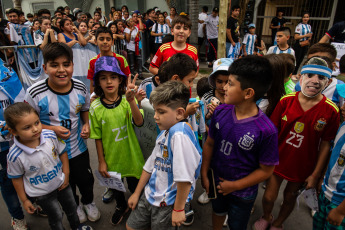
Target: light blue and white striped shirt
{"x": 249, "y": 41}
{"x": 303, "y": 29}
{"x": 276, "y": 50}
{"x": 161, "y": 29}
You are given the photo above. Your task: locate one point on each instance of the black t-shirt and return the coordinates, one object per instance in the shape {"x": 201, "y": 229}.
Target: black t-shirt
{"x": 149, "y": 23}
{"x": 277, "y": 22}
{"x": 233, "y": 25}
{"x": 337, "y": 32}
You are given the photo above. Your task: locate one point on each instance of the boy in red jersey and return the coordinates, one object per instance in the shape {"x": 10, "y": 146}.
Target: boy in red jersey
{"x": 104, "y": 40}
{"x": 181, "y": 29}
{"x": 307, "y": 122}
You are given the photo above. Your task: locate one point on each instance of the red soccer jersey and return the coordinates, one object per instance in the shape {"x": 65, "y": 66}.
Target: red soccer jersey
{"x": 300, "y": 134}
{"x": 122, "y": 62}
{"x": 166, "y": 51}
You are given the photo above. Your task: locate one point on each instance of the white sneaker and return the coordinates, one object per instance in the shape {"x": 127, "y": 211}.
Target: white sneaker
{"x": 81, "y": 214}
{"x": 92, "y": 212}
{"x": 18, "y": 224}
{"x": 225, "y": 221}
{"x": 203, "y": 198}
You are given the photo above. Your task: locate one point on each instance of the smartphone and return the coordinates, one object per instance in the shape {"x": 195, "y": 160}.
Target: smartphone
{"x": 212, "y": 190}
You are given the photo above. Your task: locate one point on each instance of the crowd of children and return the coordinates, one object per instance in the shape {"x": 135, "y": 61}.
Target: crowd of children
{"x": 250, "y": 124}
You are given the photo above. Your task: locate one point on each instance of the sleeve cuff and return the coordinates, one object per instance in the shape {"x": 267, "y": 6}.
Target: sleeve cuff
{"x": 14, "y": 177}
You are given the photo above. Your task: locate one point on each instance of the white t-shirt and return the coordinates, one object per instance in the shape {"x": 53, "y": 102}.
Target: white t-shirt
{"x": 212, "y": 27}
{"x": 202, "y": 17}
{"x": 175, "y": 158}
{"x": 131, "y": 43}
{"x": 41, "y": 167}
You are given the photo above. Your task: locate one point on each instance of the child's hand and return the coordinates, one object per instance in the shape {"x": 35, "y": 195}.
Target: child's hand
{"x": 205, "y": 183}
{"x": 85, "y": 131}
{"x": 211, "y": 109}
{"x": 131, "y": 87}
{"x": 133, "y": 201}
{"x": 178, "y": 218}
{"x": 103, "y": 169}
{"x": 311, "y": 182}
{"x": 29, "y": 208}
{"x": 335, "y": 217}
{"x": 191, "y": 108}
{"x": 62, "y": 132}
{"x": 140, "y": 95}
{"x": 65, "y": 183}
{"x": 225, "y": 187}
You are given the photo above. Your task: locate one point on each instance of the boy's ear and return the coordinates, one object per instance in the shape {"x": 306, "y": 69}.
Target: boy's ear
{"x": 12, "y": 131}
{"x": 249, "y": 93}
{"x": 45, "y": 68}
{"x": 175, "y": 77}
{"x": 180, "y": 113}
{"x": 157, "y": 80}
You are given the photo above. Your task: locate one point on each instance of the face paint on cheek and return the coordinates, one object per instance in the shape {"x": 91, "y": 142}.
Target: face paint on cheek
{"x": 311, "y": 87}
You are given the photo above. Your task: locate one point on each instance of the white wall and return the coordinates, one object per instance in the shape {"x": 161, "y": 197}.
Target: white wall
{"x": 97, "y": 3}
{"x": 162, "y": 5}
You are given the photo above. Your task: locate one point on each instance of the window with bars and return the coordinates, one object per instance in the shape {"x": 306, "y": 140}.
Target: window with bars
{"x": 43, "y": 5}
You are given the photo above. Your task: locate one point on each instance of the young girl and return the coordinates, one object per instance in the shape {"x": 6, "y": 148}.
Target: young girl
{"x": 133, "y": 38}
{"x": 159, "y": 30}
{"x": 112, "y": 116}
{"x": 45, "y": 34}
{"x": 39, "y": 168}
{"x": 70, "y": 35}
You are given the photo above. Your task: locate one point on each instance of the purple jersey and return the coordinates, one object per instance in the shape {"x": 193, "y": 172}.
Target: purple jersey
{"x": 241, "y": 145}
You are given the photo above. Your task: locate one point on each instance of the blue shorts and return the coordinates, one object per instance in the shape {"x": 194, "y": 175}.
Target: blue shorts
{"x": 237, "y": 208}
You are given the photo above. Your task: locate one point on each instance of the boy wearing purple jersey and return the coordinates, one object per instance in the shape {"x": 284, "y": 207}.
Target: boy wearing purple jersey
{"x": 242, "y": 144}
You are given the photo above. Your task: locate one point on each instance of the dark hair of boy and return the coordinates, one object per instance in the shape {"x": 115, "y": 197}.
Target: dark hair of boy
{"x": 149, "y": 11}
{"x": 163, "y": 73}
{"x": 43, "y": 11}
{"x": 97, "y": 23}
{"x": 99, "y": 91}
{"x": 342, "y": 64}
{"x": 57, "y": 11}
{"x": 205, "y": 9}
{"x": 104, "y": 30}
{"x": 235, "y": 7}
{"x": 326, "y": 59}
{"x": 60, "y": 8}
{"x": 289, "y": 62}
{"x": 202, "y": 87}
{"x": 14, "y": 112}
{"x": 29, "y": 15}
{"x": 52, "y": 51}
{"x": 13, "y": 10}
{"x": 277, "y": 89}
{"x": 181, "y": 65}
{"x": 253, "y": 72}
{"x": 183, "y": 20}
{"x": 21, "y": 13}
{"x": 323, "y": 48}
{"x": 285, "y": 30}
{"x": 173, "y": 94}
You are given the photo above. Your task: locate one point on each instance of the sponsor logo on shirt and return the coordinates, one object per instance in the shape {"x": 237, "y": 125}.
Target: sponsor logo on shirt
{"x": 299, "y": 127}
{"x": 320, "y": 124}
{"x": 284, "y": 118}
{"x": 217, "y": 125}
{"x": 33, "y": 168}
{"x": 163, "y": 165}
{"x": 246, "y": 142}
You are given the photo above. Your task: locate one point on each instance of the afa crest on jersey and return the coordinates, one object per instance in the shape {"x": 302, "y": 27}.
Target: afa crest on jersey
{"x": 54, "y": 153}
{"x": 78, "y": 108}
{"x": 165, "y": 152}
{"x": 320, "y": 124}
{"x": 299, "y": 127}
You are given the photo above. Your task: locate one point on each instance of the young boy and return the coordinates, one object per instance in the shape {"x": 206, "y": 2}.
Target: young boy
{"x": 236, "y": 146}
{"x": 283, "y": 36}
{"x": 170, "y": 173}
{"x": 249, "y": 41}
{"x": 38, "y": 167}
{"x": 307, "y": 123}
{"x": 181, "y": 30}
{"x": 104, "y": 41}
{"x": 332, "y": 198}
{"x": 289, "y": 85}
{"x": 62, "y": 104}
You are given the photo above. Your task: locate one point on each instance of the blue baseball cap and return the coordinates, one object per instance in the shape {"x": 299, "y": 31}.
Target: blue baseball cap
{"x": 251, "y": 25}
{"x": 108, "y": 63}
{"x": 221, "y": 64}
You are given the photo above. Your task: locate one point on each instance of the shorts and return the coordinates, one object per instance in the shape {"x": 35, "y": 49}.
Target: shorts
{"x": 146, "y": 216}
{"x": 237, "y": 208}
{"x": 319, "y": 219}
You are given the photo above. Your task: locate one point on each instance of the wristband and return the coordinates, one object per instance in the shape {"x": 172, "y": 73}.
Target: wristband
{"x": 181, "y": 210}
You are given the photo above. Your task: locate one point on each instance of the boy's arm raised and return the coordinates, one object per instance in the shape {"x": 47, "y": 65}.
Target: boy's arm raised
{"x": 133, "y": 200}
{"x": 259, "y": 175}
{"x": 18, "y": 184}
{"x": 206, "y": 161}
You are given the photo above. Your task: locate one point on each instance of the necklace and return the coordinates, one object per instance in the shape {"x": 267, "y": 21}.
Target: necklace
{"x": 117, "y": 98}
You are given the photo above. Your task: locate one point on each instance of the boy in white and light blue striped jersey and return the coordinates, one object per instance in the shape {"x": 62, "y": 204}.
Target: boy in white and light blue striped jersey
{"x": 283, "y": 36}
{"x": 249, "y": 41}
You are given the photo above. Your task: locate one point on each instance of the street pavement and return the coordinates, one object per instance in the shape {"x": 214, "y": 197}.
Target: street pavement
{"x": 299, "y": 219}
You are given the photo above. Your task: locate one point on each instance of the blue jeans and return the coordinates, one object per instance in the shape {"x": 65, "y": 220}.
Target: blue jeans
{"x": 237, "y": 208}
{"x": 50, "y": 203}
{"x": 7, "y": 190}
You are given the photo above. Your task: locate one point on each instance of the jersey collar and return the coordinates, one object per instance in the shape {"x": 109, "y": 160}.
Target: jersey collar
{"x": 28, "y": 149}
